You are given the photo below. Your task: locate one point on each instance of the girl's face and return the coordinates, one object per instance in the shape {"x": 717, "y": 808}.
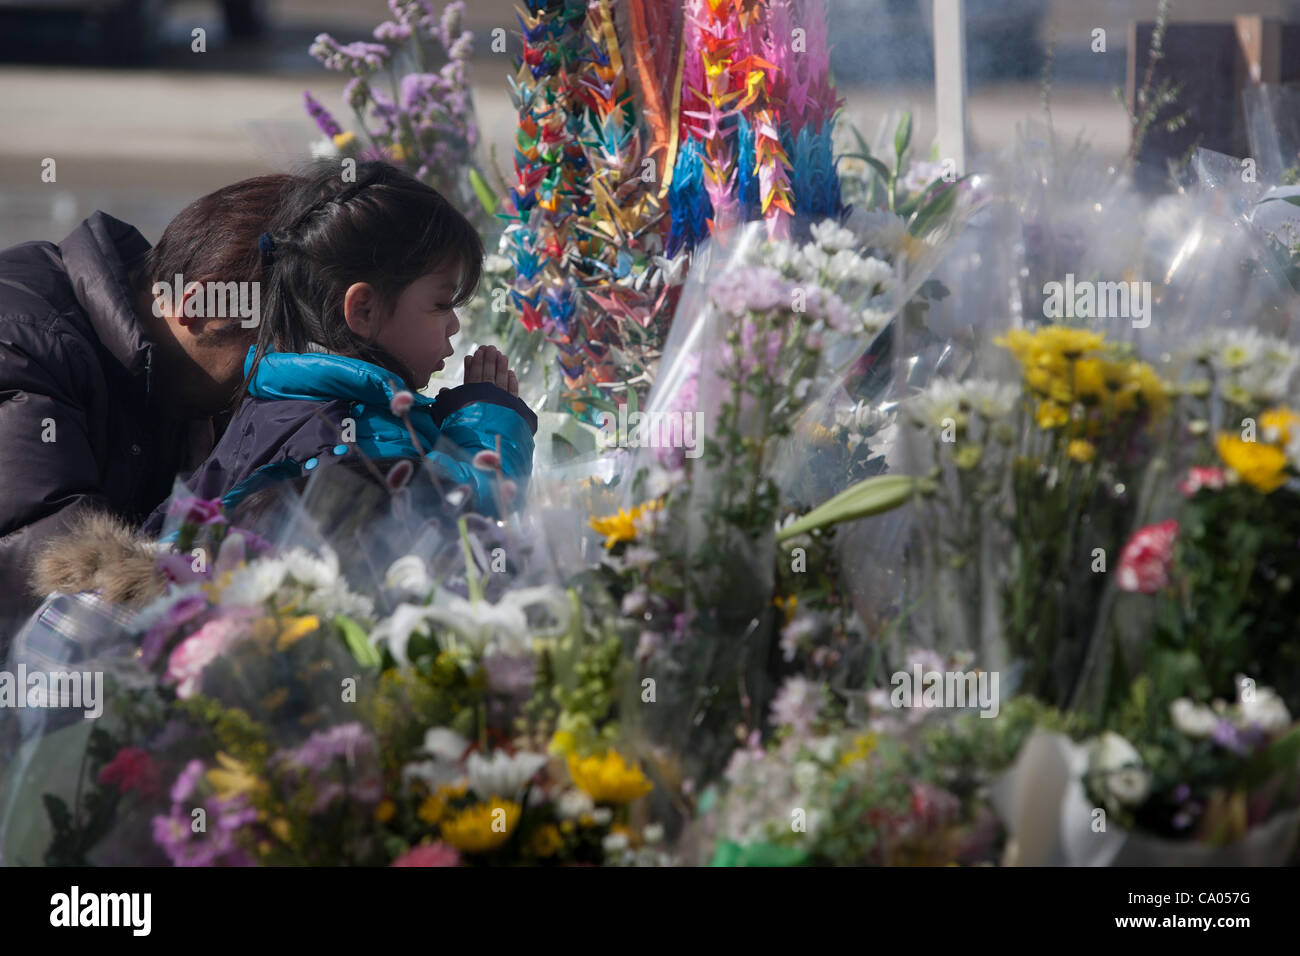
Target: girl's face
{"x": 418, "y": 332}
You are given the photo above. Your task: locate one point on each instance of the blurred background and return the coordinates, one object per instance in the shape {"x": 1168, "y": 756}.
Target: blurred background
{"x": 139, "y": 123}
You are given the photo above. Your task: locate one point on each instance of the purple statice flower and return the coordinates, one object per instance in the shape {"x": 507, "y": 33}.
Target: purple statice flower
{"x": 391, "y": 33}
{"x": 1227, "y": 735}
{"x": 1181, "y": 793}
{"x": 356, "y": 92}
{"x": 346, "y": 741}
{"x": 416, "y": 88}
{"x": 189, "y": 778}
{"x": 450, "y": 26}
{"x": 326, "y": 123}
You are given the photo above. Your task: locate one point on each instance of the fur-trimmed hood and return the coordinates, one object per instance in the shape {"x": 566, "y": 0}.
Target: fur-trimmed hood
{"x": 99, "y": 553}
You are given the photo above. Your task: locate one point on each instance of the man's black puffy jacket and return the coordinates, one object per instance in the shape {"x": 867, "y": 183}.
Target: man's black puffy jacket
{"x": 77, "y": 428}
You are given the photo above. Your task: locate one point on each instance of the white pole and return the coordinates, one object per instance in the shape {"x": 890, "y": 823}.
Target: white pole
{"x": 950, "y": 80}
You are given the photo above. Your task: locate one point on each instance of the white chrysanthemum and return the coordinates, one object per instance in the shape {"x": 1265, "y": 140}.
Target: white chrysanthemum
{"x": 874, "y": 272}
{"x": 253, "y": 584}
{"x": 784, "y": 257}
{"x": 990, "y": 398}
{"x": 833, "y": 237}
{"x": 312, "y": 571}
{"x": 937, "y": 405}
{"x": 845, "y": 265}
{"x": 573, "y": 804}
{"x": 883, "y": 230}
{"x": 501, "y": 774}
{"x": 328, "y": 602}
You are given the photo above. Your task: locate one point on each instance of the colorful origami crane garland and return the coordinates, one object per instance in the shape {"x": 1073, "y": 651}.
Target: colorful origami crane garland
{"x": 757, "y": 118}
{"x": 552, "y": 175}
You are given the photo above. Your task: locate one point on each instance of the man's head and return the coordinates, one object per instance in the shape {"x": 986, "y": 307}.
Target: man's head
{"x": 198, "y": 360}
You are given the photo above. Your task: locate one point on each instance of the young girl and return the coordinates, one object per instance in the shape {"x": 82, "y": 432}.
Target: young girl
{"x": 360, "y": 284}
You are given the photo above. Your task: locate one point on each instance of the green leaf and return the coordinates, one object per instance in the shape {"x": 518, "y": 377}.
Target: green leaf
{"x": 1293, "y": 200}
{"x": 486, "y": 197}
{"x": 933, "y": 213}
{"x": 873, "y": 496}
{"x": 358, "y": 643}
{"x": 903, "y": 135}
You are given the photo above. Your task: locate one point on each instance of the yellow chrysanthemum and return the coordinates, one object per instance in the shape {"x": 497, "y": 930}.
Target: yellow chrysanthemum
{"x": 280, "y": 827}
{"x": 386, "y": 810}
{"x": 1277, "y": 424}
{"x": 345, "y": 139}
{"x": 295, "y": 629}
{"x": 1051, "y": 414}
{"x": 1089, "y": 380}
{"x": 1259, "y": 465}
{"x": 1081, "y": 451}
{"x": 546, "y": 841}
{"x": 622, "y": 526}
{"x": 482, "y": 827}
{"x": 864, "y": 745}
{"x": 1068, "y": 342}
{"x": 608, "y": 779}
{"x": 232, "y": 778}
{"x": 563, "y": 743}
{"x": 431, "y": 809}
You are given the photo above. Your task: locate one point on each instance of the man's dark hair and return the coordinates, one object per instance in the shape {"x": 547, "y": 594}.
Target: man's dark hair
{"x": 215, "y": 238}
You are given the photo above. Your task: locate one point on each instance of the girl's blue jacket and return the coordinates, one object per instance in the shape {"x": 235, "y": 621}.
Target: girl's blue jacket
{"x": 307, "y": 410}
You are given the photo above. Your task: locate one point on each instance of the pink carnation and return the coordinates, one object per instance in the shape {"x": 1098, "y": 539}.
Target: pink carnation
{"x": 1144, "y": 562}
{"x": 192, "y": 655}
{"x": 1198, "y": 478}
{"x": 434, "y": 854}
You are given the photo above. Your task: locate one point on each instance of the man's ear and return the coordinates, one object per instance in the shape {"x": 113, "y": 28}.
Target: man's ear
{"x": 361, "y": 309}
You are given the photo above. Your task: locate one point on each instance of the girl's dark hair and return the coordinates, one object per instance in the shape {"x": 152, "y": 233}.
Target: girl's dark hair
{"x": 215, "y": 238}
{"x": 386, "y": 229}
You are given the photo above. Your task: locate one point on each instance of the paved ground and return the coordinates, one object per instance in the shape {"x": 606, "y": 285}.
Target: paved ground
{"x": 140, "y": 142}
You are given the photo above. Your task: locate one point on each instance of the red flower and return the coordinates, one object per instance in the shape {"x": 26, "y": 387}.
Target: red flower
{"x": 1144, "y": 562}
{"x": 1198, "y": 478}
{"x": 132, "y": 769}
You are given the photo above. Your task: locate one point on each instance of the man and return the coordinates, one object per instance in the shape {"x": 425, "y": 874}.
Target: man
{"x": 107, "y": 390}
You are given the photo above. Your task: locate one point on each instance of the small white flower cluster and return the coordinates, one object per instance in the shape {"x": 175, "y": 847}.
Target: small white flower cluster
{"x": 1251, "y": 368}
{"x": 311, "y": 583}
{"x": 620, "y": 852}
{"x": 1257, "y": 708}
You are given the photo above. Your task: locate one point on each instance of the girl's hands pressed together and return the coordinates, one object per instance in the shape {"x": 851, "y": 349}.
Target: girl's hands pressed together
{"x": 489, "y": 364}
